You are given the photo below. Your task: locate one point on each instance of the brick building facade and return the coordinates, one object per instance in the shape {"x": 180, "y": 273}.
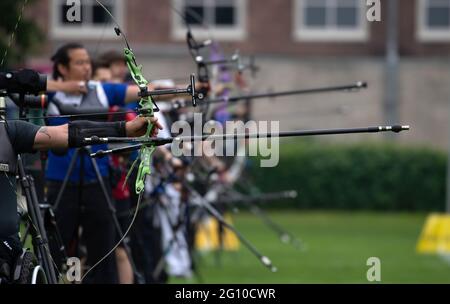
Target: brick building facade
{"x": 298, "y": 44}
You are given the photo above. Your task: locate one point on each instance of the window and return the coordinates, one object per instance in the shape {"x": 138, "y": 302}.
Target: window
{"x": 95, "y": 21}
{"x": 433, "y": 20}
{"x": 330, "y": 20}
{"x": 222, "y": 19}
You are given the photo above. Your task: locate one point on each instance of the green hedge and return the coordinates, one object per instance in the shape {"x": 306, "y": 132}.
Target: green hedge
{"x": 357, "y": 176}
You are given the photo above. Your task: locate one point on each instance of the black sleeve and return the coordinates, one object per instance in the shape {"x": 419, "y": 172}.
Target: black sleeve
{"x": 81, "y": 129}
{"x": 22, "y": 135}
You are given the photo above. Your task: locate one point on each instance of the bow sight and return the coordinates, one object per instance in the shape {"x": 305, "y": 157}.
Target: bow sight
{"x": 189, "y": 90}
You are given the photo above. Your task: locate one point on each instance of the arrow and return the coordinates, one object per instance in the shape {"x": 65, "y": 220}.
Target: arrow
{"x": 159, "y": 141}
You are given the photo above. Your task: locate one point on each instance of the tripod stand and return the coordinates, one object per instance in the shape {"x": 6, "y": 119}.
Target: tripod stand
{"x": 45, "y": 270}
{"x": 81, "y": 153}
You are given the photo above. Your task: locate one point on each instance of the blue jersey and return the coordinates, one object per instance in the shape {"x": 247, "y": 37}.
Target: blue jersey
{"x": 57, "y": 166}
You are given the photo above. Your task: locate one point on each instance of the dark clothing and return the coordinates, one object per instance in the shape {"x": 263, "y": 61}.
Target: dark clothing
{"x": 145, "y": 239}
{"x": 8, "y": 157}
{"x": 124, "y": 214}
{"x": 86, "y": 207}
{"x": 146, "y": 245}
{"x": 9, "y": 219}
{"x": 21, "y": 137}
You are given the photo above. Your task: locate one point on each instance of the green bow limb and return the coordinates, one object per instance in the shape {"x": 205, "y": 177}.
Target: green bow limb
{"x": 146, "y": 104}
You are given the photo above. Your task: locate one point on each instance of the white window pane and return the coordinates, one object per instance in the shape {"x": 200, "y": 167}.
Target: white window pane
{"x": 225, "y": 18}
{"x": 218, "y": 12}
{"x": 330, "y": 20}
{"x": 93, "y": 19}
{"x": 91, "y": 13}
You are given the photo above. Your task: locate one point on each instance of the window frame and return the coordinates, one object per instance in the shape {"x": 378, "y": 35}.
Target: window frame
{"x": 425, "y": 33}
{"x": 302, "y": 33}
{"x": 235, "y": 33}
{"x": 59, "y": 31}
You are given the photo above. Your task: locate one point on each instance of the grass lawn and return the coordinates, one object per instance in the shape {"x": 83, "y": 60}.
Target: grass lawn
{"x": 338, "y": 246}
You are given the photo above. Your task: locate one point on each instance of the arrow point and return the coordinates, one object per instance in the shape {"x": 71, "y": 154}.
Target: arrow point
{"x": 361, "y": 84}
{"x": 399, "y": 128}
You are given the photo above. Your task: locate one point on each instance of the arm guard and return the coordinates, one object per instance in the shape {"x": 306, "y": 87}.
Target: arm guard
{"x": 81, "y": 129}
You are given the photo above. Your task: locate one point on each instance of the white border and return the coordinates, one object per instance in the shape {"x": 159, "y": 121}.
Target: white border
{"x": 300, "y": 33}
{"x": 424, "y": 33}
{"x": 57, "y": 31}
{"x": 237, "y": 33}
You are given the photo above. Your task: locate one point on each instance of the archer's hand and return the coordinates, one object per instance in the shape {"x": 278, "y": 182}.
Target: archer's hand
{"x": 138, "y": 126}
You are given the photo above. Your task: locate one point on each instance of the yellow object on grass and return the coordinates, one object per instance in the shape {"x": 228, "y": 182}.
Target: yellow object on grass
{"x": 435, "y": 236}
{"x": 207, "y": 236}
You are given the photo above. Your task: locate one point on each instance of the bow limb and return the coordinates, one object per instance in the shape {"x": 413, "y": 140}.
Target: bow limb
{"x": 146, "y": 109}
{"x": 146, "y": 105}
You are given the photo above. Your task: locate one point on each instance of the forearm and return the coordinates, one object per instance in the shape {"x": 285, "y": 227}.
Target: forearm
{"x": 54, "y": 86}
{"x": 72, "y": 135}
{"x": 69, "y": 87}
{"x": 51, "y": 138}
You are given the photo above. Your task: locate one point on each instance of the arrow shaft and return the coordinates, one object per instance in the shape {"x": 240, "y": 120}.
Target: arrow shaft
{"x": 168, "y": 140}
{"x": 357, "y": 85}
{"x": 163, "y": 141}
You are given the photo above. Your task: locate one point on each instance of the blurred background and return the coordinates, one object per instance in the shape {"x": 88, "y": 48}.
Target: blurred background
{"x": 359, "y": 196}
